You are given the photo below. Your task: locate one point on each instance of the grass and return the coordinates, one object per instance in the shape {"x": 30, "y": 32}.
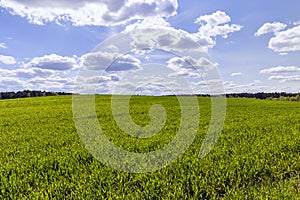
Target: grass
{"x": 256, "y": 157}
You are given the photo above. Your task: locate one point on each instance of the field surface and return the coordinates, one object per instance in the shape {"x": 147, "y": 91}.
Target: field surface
{"x": 256, "y": 157}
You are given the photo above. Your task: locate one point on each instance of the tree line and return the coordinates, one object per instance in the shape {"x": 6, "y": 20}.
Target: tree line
{"x": 262, "y": 95}
{"x": 283, "y": 96}
{"x": 29, "y": 93}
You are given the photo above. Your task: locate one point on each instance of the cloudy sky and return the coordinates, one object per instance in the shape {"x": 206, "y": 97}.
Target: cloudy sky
{"x": 46, "y": 45}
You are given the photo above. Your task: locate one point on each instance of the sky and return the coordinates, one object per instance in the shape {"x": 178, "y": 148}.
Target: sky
{"x": 80, "y": 45}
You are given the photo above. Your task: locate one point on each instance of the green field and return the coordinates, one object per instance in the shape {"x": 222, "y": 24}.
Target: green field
{"x": 256, "y": 157}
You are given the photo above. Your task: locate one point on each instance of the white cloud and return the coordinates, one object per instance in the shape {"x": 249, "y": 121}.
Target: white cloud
{"x": 46, "y": 72}
{"x": 41, "y": 73}
{"x": 11, "y": 84}
{"x": 52, "y": 62}
{"x": 214, "y": 19}
{"x": 55, "y": 72}
{"x": 8, "y": 60}
{"x": 149, "y": 22}
{"x": 108, "y": 61}
{"x": 6, "y": 73}
{"x": 259, "y": 86}
{"x": 283, "y": 54}
{"x": 223, "y": 30}
{"x": 284, "y": 74}
{"x": 89, "y": 12}
{"x": 35, "y": 79}
{"x": 144, "y": 38}
{"x": 124, "y": 63}
{"x": 212, "y": 82}
{"x": 26, "y": 73}
{"x": 158, "y": 85}
{"x": 270, "y": 28}
{"x": 33, "y": 72}
{"x": 286, "y": 41}
{"x": 162, "y": 34}
{"x": 97, "y": 60}
{"x": 99, "y": 83}
{"x": 216, "y": 24}
{"x": 3, "y": 45}
{"x": 280, "y": 69}
{"x": 188, "y": 66}
{"x": 51, "y": 84}
{"x": 255, "y": 86}
{"x": 237, "y": 74}
{"x": 182, "y": 67}
{"x": 296, "y": 23}
{"x": 283, "y": 79}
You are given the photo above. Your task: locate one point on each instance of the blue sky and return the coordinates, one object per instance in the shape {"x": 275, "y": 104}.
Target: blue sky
{"x": 44, "y": 46}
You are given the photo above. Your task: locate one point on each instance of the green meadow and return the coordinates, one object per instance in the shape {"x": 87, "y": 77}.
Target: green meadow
{"x": 256, "y": 157}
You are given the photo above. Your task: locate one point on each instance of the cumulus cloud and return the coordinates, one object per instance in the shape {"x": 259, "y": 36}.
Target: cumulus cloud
{"x": 286, "y": 41}
{"x": 214, "y": 19}
{"x": 109, "y": 61}
{"x": 124, "y": 63}
{"x": 215, "y": 24}
{"x": 33, "y": 72}
{"x": 8, "y": 60}
{"x": 45, "y": 71}
{"x": 182, "y": 67}
{"x": 101, "y": 70}
{"x": 41, "y": 73}
{"x": 280, "y": 69}
{"x": 283, "y": 74}
{"x": 11, "y": 84}
{"x": 287, "y": 78}
{"x": 188, "y": 66}
{"x": 49, "y": 72}
{"x": 149, "y": 22}
{"x": 162, "y": 34}
{"x": 167, "y": 38}
{"x": 159, "y": 84}
{"x": 283, "y": 41}
{"x": 52, "y": 62}
{"x": 21, "y": 73}
{"x": 144, "y": 38}
{"x": 3, "y": 45}
{"x": 270, "y": 28}
{"x": 89, "y": 12}
{"x": 34, "y": 78}
{"x": 97, "y": 60}
{"x": 95, "y": 83}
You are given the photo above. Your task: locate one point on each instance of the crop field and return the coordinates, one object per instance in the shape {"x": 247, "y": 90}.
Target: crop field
{"x": 256, "y": 157}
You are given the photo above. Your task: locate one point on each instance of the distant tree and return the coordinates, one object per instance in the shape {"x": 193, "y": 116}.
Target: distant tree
{"x": 28, "y": 93}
